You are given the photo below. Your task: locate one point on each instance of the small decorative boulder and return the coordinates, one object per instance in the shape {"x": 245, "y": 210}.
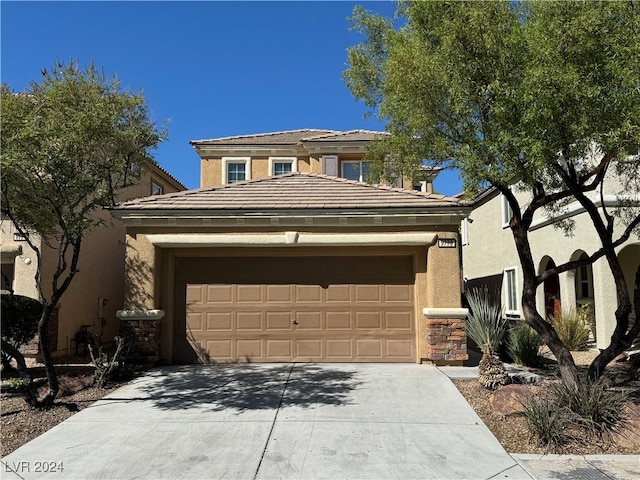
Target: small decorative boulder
{"x": 508, "y": 400}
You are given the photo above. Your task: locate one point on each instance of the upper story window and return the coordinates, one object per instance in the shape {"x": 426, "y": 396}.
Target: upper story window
{"x": 236, "y": 169}
{"x": 236, "y": 172}
{"x": 156, "y": 189}
{"x": 507, "y": 211}
{"x": 356, "y": 170}
{"x": 282, "y": 165}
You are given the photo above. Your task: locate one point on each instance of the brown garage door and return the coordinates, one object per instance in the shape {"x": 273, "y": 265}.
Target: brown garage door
{"x": 302, "y": 309}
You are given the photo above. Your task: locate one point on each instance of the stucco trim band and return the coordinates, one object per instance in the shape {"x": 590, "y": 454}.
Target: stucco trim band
{"x": 181, "y": 240}
{"x": 449, "y": 313}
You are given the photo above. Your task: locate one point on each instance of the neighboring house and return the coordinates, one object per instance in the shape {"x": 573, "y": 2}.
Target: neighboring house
{"x": 276, "y": 258}
{"x": 97, "y": 290}
{"x": 490, "y": 260}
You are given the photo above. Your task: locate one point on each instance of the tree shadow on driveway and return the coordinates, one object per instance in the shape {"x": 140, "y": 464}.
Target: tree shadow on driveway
{"x": 244, "y": 387}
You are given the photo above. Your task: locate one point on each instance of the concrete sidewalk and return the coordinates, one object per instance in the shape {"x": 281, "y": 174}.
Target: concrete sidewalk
{"x": 580, "y": 467}
{"x": 564, "y": 467}
{"x": 303, "y": 421}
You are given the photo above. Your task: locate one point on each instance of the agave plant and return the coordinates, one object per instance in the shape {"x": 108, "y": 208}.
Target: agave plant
{"x": 486, "y": 326}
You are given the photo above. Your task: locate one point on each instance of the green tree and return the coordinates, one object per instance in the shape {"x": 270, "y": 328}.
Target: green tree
{"x": 545, "y": 94}
{"x": 69, "y": 142}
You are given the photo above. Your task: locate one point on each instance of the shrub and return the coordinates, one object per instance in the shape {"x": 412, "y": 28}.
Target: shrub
{"x": 573, "y": 328}
{"x": 547, "y": 420}
{"x": 20, "y": 316}
{"x": 111, "y": 370}
{"x": 595, "y": 405}
{"x": 484, "y": 323}
{"x": 524, "y": 343}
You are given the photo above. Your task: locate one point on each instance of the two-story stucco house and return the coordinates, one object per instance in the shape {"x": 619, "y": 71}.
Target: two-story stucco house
{"x": 97, "y": 291}
{"x": 285, "y": 254}
{"x": 490, "y": 260}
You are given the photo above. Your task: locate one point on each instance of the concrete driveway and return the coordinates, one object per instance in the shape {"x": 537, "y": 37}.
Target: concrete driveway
{"x": 263, "y": 421}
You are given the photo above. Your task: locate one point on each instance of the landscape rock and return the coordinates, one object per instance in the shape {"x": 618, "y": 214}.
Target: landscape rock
{"x": 508, "y": 400}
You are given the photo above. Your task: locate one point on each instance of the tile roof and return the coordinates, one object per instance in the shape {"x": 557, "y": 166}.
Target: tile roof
{"x": 290, "y": 137}
{"x": 350, "y": 136}
{"x": 292, "y": 191}
{"x": 293, "y": 137}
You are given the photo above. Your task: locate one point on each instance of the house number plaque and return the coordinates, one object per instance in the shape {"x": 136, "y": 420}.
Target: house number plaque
{"x": 447, "y": 242}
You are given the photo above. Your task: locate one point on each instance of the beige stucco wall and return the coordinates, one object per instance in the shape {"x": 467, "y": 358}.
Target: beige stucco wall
{"x": 25, "y": 264}
{"x": 491, "y": 249}
{"x": 212, "y": 172}
{"x": 100, "y": 274}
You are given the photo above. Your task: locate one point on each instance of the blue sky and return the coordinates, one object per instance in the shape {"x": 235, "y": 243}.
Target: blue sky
{"x": 209, "y": 69}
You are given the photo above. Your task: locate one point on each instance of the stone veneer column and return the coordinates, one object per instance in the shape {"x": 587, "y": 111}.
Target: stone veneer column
{"x": 143, "y": 328}
{"x": 446, "y": 337}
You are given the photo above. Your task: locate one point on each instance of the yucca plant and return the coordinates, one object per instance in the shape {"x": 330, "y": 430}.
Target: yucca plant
{"x": 486, "y": 326}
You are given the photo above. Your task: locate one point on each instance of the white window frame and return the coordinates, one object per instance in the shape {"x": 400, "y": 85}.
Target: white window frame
{"x": 225, "y": 167}
{"x": 507, "y": 211}
{"x": 156, "y": 188}
{"x": 361, "y": 162}
{"x": 273, "y": 160}
{"x": 581, "y": 280}
{"x": 509, "y": 289}
{"x": 464, "y": 231}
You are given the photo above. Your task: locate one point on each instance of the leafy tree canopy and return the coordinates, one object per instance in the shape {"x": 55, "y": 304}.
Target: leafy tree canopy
{"x": 68, "y": 143}
{"x": 503, "y": 90}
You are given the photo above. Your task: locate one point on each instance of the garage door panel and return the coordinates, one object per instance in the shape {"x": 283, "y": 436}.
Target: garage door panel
{"x": 397, "y": 348}
{"x": 399, "y": 320}
{"x": 220, "y": 321}
{"x": 368, "y": 321}
{"x": 195, "y": 294}
{"x": 249, "y": 321}
{"x": 279, "y": 294}
{"x": 194, "y": 321}
{"x": 337, "y": 309}
{"x": 309, "y": 349}
{"x": 249, "y": 349}
{"x": 339, "y": 321}
{"x": 369, "y": 348}
{"x": 308, "y": 321}
{"x": 339, "y": 349}
{"x": 308, "y": 293}
{"x": 248, "y": 293}
{"x": 220, "y": 350}
{"x": 397, "y": 293}
{"x": 278, "y": 349}
{"x": 279, "y": 321}
{"x": 368, "y": 293}
{"x": 338, "y": 293}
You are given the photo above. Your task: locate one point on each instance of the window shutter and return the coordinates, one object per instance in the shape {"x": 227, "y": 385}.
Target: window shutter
{"x": 330, "y": 165}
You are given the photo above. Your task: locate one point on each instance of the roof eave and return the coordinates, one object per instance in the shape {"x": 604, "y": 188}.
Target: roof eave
{"x": 440, "y": 215}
